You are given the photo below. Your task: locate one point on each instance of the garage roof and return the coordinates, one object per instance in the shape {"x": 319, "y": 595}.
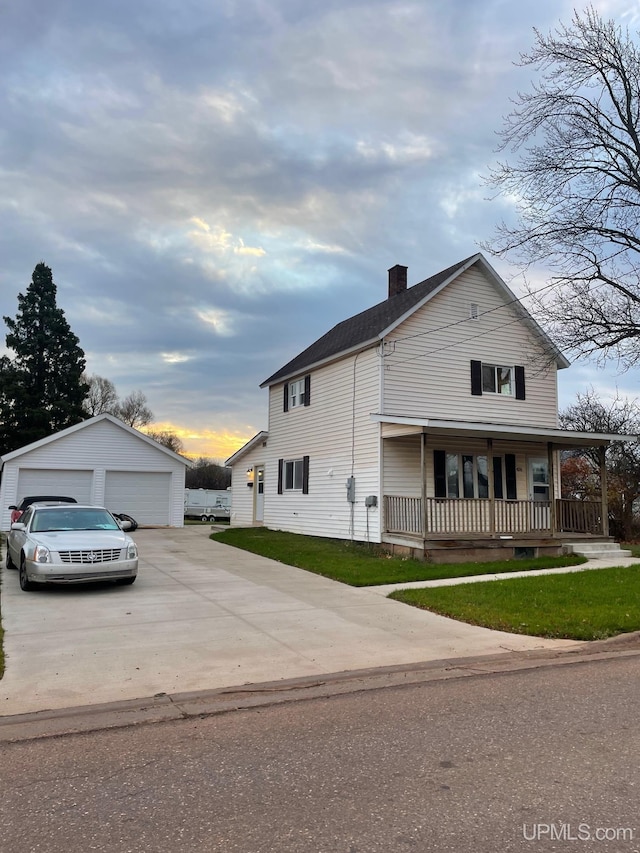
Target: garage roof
{"x": 89, "y": 422}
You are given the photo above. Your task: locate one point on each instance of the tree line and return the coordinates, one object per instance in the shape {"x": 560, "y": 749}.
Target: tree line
{"x": 44, "y": 387}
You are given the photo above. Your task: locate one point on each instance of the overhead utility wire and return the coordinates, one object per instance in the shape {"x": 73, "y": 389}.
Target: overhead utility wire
{"x": 534, "y": 335}
{"x": 481, "y": 314}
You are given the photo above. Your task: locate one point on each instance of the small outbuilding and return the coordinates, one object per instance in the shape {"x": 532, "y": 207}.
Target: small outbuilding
{"x": 99, "y": 461}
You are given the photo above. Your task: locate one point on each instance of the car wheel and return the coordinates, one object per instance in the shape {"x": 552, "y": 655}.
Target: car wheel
{"x": 9, "y": 562}
{"x": 126, "y": 581}
{"x": 25, "y": 584}
{"x": 204, "y": 518}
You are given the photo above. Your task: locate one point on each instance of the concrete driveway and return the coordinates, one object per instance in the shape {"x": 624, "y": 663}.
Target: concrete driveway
{"x": 203, "y": 615}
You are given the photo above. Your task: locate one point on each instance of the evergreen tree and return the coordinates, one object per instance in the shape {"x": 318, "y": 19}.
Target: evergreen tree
{"x": 41, "y": 387}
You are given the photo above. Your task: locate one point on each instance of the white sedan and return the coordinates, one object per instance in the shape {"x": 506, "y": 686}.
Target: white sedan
{"x": 70, "y": 544}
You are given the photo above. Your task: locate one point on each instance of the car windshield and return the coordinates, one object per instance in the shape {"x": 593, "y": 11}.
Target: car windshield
{"x": 48, "y": 520}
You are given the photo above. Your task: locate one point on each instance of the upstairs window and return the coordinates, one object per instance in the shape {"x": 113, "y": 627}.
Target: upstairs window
{"x": 497, "y": 380}
{"x": 489, "y": 378}
{"x": 297, "y": 393}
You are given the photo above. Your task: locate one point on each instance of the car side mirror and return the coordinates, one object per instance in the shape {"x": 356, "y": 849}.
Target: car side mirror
{"x": 124, "y": 525}
{"x": 17, "y": 525}
{"x": 13, "y": 506}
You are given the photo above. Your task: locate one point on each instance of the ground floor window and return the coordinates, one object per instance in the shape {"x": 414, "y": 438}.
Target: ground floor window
{"x": 293, "y": 475}
{"x": 466, "y": 475}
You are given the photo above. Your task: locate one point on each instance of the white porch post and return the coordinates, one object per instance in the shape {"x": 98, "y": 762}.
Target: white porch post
{"x": 492, "y": 496}
{"x": 423, "y": 483}
{"x": 552, "y": 488}
{"x": 603, "y": 490}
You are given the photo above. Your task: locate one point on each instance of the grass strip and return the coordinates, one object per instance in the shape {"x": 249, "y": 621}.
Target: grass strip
{"x": 359, "y": 564}
{"x": 588, "y": 605}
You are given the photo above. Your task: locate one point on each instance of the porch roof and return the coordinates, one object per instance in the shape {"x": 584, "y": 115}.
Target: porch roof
{"x": 253, "y": 442}
{"x": 511, "y": 432}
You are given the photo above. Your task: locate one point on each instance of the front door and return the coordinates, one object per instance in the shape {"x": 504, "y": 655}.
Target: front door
{"x": 539, "y": 479}
{"x": 258, "y": 493}
{"x": 539, "y": 493}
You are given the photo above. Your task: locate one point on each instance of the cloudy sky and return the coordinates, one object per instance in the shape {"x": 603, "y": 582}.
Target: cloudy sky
{"x": 216, "y": 183}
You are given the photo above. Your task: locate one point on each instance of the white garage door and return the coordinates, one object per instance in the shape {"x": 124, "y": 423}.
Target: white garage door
{"x": 43, "y": 481}
{"x": 145, "y": 495}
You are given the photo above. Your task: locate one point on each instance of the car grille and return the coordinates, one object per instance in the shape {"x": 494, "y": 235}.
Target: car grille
{"x": 91, "y": 556}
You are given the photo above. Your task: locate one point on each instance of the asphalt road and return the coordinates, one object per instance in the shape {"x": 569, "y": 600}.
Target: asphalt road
{"x": 543, "y": 759}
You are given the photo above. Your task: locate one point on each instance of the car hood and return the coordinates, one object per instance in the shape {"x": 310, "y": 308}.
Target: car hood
{"x": 70, "y": 540}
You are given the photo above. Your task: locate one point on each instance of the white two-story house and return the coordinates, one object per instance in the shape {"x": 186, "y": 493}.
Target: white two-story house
{"x": 428, "y": 423}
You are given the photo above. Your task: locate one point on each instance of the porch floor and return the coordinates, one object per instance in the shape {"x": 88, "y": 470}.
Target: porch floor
{"x": 439, "y": 548}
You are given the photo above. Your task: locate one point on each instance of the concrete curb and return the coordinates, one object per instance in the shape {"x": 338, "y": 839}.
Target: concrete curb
{"x": 165, "y": 707}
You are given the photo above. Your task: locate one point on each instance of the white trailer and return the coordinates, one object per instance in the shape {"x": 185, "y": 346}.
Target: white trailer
{"x": 207, "y": 504}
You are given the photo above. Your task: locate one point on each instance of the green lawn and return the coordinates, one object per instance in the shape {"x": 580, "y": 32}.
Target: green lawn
{"x": 590, "y": 605}
{"x": 358, "y": 564}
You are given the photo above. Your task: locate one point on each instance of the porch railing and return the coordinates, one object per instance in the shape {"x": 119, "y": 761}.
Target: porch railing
{"x": 579, "y": 516}
{"x": 474, "y": 516}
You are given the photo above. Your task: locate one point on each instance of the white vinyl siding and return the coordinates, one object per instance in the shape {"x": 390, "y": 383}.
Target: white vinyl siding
{"x": 402, "y": 466}
{"x": 428, "y": 356}
{"x": 243, "y": 495}
{"x": 323, "y": 432}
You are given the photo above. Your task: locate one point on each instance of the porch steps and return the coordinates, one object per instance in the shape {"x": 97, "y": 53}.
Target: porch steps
{"x": 596, "y": 550}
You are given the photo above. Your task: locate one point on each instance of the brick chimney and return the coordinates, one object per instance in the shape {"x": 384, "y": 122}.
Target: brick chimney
{"x": 397, "y": 280}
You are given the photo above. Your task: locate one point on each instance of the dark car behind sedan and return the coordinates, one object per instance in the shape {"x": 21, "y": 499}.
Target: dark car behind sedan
{"x": 16, "y": 511}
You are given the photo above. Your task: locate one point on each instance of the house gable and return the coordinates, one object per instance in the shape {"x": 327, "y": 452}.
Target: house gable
{"x": 438, "y": 360}
{"x": 369, "y": 327}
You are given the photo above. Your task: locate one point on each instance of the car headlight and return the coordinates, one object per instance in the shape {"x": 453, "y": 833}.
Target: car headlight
{"x": 132, "y": 551}
{"x": 41, "y": 555}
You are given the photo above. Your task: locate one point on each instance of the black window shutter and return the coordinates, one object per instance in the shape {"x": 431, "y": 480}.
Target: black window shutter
{"x": 497, "y": 477}
{"x": 305, "y": 475}
{"x": 519, "y": 371}
{"x": 280, "y": 472}
{"x": 476, "y": 378}
{"x": 286, "y": 397}
{"x": 307, "y": 389}
{"x": 440, "y": 473}
{"x": 510, "y": 476}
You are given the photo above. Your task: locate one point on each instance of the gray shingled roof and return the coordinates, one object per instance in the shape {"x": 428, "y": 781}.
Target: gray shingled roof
{"x": 365, "y": 326}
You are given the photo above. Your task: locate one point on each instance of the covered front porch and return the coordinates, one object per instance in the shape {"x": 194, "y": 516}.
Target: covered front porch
{"x": 484, "y": 487}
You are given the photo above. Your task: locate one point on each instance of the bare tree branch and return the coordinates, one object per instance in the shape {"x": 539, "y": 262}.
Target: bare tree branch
{"x": 575, "y": 184}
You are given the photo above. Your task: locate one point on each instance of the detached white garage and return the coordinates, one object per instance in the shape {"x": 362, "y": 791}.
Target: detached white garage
{"x": 99, "y": 461}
